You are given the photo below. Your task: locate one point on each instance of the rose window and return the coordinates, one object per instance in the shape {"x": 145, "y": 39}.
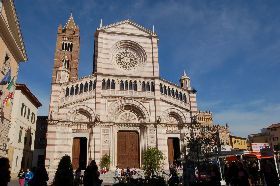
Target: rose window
{"x": 128, "y": 55}
{"x": 127, "y": 59}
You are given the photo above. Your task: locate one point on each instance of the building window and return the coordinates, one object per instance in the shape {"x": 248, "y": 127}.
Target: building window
{"x": 32, "y": 118}
{"x": 67, "y": 46}
{"x": 19, "y": 135}
{"x": 66, "y": 64}
{"x": 113, "y": 84}
{"x": 143, "y": 86}
{"x": 28, "y": 113}
{"x": 103, "y": 84}
{"x": 22, "y": 109}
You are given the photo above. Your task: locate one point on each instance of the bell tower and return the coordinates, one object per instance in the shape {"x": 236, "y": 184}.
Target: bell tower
{"x": 67, "y": 51}
{"x": 185, "y": 81}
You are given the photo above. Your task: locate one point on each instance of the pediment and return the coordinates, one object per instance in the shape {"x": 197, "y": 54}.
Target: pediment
{"x": 128, "y": 27}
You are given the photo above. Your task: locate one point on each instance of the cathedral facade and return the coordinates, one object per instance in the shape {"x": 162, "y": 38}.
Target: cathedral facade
{"x": 123, "y": 107}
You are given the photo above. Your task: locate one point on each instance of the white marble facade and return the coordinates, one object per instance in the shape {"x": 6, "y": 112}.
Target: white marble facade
{"x": 124, "y": 93}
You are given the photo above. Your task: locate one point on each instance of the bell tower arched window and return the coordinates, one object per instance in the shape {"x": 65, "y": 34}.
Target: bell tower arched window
{"x": 67, "y": 46}
{"x": 65, "y": 63}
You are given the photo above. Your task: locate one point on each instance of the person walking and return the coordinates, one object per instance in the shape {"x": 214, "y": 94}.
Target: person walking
{"x": 21, "y": 177}
{"x": 28, "y": 177}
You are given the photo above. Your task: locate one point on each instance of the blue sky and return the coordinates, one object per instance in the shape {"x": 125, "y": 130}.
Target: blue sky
{"x": 230, "y": 49}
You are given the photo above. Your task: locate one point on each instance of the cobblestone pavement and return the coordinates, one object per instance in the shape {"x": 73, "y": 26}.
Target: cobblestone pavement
{"x": 13, "y": 183}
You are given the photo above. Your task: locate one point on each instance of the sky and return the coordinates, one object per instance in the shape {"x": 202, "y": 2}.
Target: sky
{"x": 230, "y": 50}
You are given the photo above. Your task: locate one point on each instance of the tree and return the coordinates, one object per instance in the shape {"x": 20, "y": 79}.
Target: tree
{"x": 64, "y": 172}
{"x": 105, "y": 162}
{"x": 153, "y": 161}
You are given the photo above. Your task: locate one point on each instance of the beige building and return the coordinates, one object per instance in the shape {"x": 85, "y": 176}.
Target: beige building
{"x": 273, "y": 132}
{"x": 270, "y": 135}
{"x": 12, "y": 51}
{"x": 22, "y": 130}
{"x": 123, "y": 107}
{"x": 205, "y": 118}
{"x": 238, "y": 143}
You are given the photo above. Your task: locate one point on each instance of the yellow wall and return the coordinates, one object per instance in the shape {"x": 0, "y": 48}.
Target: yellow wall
{"x": 238, "y": 143}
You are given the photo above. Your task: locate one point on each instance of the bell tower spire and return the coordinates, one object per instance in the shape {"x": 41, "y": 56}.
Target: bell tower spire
{"x": 67, "y": 51}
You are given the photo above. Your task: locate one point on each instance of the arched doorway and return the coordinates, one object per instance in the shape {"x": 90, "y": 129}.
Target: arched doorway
{"x": 128, "y": 154}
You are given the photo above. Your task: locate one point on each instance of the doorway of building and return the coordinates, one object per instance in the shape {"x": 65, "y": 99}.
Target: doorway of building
{"x": 79, "y": 153}
{"x": 173, "y": 150}
{"x": 128, "y": 149}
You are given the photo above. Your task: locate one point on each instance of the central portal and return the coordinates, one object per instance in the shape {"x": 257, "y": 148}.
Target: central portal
{"x": 128, "y": 149}
{"x": 79, "y": 153}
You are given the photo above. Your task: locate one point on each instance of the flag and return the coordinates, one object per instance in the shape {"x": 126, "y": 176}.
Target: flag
{"x": 11, "y": 84}
{"x": 7, "y": 78}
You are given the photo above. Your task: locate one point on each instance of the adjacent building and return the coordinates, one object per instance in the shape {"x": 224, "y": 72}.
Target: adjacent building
{"x": 238, "y": 143}
{"x": 40, "y": 141}
{"x": 120, "y": 109}
{"x": 23, "y": 127}
{"x": 12, "y": 52}
{"x": 270, "y": 135}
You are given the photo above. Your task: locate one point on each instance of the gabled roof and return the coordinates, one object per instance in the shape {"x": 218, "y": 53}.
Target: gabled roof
{"x": 70, "y": 23}
{"x": 25, "y": 90}
{"x": 130, "y": 22}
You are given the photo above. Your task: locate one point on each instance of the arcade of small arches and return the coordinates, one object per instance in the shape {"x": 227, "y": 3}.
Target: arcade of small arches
{"x": 128, "y": 85}
{"x": 166, "y": 90}
{"x": 125, "y": 85}
{"x": 80, "y": 88}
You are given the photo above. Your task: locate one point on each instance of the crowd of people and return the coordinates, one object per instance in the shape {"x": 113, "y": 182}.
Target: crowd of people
{"x": 251, "y": 172}
{"x": 37, "y": 177}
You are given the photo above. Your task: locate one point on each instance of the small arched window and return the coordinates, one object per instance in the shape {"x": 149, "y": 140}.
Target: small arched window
{"x": 76, "y": 89}
{"x": 113, "y": 84}
{"x": 143, "y": 86}
{"x": 176, "y": 94}
{"x": 81, "y": 88}
{"x": 103, "y": 84}
{"x": 67, "y": 92}
{"x": 121, "y": 85}
{"x": 172, "y": 93}
{"x": 148, "y": 88}
{"x": 135, "y": 85}
{"x": 66, "y": 64}
{"x": 165, "y": 90}
{"x": 180, "y": 96}
{"x": 168, "y": 91}
{"x": 160, "y": 88}
{"x": 86, "y": 87}
{"x": 130, "y": 85}
{"x": 90, "y": 85}
{"x": 185, "y": 98}
{"x": 152, "y": 86}
{"x": 126, "y": 85}
{"x": 72, "y": 91}
{"x": 94, "y": 84}
{"x": 108, "y": 84}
